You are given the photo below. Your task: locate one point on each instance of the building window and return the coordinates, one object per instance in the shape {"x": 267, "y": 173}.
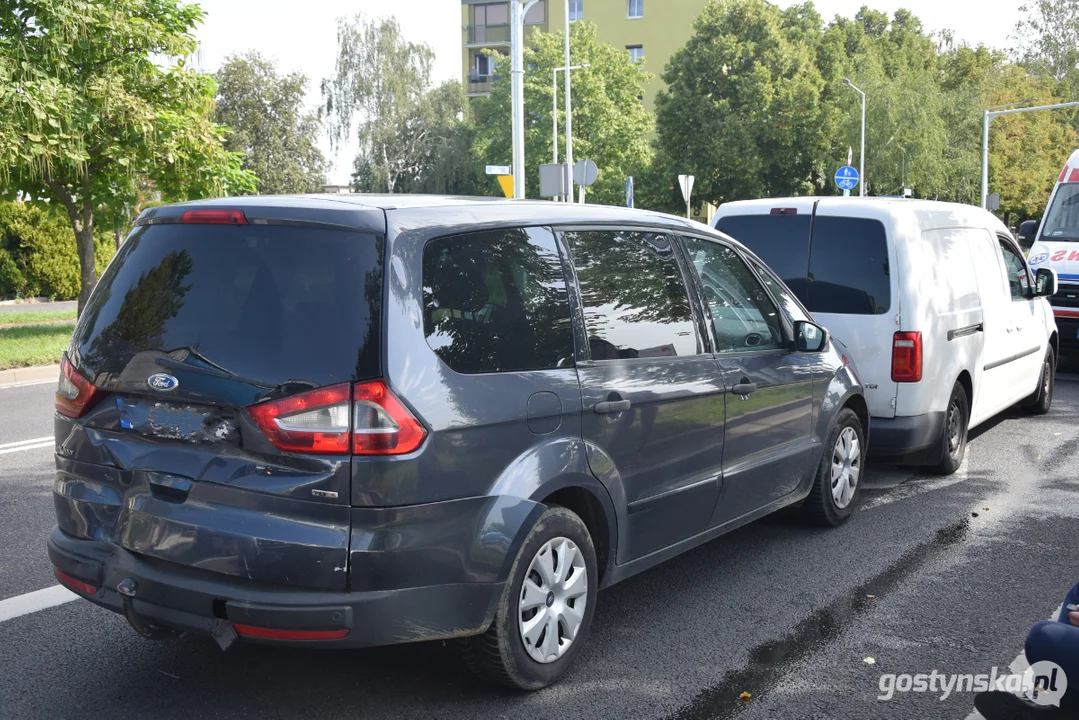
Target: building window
{"x": 493, "y": 14}
{"x": 636, "y": 52}
{"x": 576, "y": 10}
{"x": 636, "y": 8}
{"x": 537, "y": 14}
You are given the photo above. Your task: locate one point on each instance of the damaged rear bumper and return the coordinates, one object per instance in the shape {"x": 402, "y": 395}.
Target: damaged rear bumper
{"x": 190, "y": 600}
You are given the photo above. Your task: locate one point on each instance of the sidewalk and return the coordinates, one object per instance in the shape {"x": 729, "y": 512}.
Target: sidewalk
{"x": 29, "y": 375}
{"x": 6, "y": 307}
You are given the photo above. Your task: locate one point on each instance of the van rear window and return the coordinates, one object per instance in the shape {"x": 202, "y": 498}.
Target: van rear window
{"x": 270, "y": 304}
{"x": 843, "y": 268}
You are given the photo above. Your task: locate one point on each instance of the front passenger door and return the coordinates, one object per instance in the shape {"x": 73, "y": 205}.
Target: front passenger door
{"x": 1027, "y": 336}
{"x": 768, "y": 441}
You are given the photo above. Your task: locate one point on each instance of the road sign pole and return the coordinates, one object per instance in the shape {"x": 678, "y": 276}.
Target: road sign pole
{"x": 518, "y": 10}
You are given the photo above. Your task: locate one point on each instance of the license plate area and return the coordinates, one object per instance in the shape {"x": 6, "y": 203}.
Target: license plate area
{"x": 177, "y": 421}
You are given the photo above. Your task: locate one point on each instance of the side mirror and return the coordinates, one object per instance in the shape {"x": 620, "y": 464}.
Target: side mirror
{"x": 810, "y": 337}
{"x": 1027, "y": 230}
{"x": 1046, "y": 282}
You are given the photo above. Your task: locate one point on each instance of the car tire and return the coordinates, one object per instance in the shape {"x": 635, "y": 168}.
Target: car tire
{"x": 1042, "y": 399}
{"x": 953, "y": 436}
{"x": 838, "y": 481}
{"x": 500, "y": 655}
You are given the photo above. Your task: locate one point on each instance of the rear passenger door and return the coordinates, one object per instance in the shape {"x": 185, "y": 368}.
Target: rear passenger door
{"x": 653, "y": 398}
{"x": 768, "y": 440}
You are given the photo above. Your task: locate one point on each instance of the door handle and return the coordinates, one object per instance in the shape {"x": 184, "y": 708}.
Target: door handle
{"x": 744, "y": 388}
{"x": 609, "y": 407}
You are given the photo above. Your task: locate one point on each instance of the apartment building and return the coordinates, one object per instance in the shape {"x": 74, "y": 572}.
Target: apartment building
{"x": 649, "y": 30}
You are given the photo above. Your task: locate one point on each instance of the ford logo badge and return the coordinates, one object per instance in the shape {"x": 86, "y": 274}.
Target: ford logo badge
{"x": 163, "y": 382}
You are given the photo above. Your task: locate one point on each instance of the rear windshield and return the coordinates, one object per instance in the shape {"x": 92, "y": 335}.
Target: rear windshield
{"x": 843, "y": 268}
{"x": 270, "y": 304}
{"x": 1062, "y": 222}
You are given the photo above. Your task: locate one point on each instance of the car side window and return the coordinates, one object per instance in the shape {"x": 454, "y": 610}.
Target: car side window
{"x": 497, "y": 302}
{"x": 788, "y": 304}
{"x": 633, "y": 295}
{"x": 744, "y": 317}
{"x": 1018, "y": 277}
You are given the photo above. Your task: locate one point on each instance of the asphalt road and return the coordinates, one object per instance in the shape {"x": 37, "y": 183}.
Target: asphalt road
{"x": 959, "y": 568}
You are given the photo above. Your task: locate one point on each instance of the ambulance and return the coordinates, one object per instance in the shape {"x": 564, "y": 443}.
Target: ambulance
{"x": 1056, "y": 246}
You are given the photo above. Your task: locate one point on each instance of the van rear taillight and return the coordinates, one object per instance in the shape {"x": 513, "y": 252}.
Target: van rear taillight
{"x": 311, "y": 422}
{"x": 381, "y": 424}
{"x": 366, "y": 419}
{"x": 907, "y": 357}
{"x": 74, "y": 392}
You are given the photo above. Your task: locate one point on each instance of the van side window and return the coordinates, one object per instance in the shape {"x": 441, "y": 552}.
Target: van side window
{"x": 744, "y": 317}
{"x": 633, "y": 295}
{"x": 497, "y": 302}
{"x": 781, "y": 241}
{"x": 1016, "y": 269}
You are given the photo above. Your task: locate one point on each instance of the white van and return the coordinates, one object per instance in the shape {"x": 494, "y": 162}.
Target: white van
{"x": 934, "y": 301}
{"x": 1056, "y": 246}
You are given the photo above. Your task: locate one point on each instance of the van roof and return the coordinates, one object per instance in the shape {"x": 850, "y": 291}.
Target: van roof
{"x": 368, "y": 211}
{"x": 931, "y": 214}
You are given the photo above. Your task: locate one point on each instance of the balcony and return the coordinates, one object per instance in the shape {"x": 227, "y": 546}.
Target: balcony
{"x": 479, "y": 85}
{"x": 487, "y": 35}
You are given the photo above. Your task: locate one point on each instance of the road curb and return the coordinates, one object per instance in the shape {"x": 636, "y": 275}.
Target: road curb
{"x": 28, "y": 375}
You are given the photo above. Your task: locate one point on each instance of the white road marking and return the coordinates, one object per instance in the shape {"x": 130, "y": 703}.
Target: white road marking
{"x": 28, "y": 383}
{"x": 33, "y": 601}
{"x": 33, "y": 444}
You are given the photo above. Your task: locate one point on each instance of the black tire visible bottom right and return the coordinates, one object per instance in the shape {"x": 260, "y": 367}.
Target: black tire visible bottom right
{"x": 953, "y": 441}
{"x": 1042, "y": 399}
{"x": 822, "y": 507}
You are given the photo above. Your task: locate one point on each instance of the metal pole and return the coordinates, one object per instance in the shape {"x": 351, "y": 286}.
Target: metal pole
{"x": 861, "y": 156}
{"x": 554, "y": 112}
{"x": 989, "y": 115}
{"x": 517, "y": 20}
{"x": 569, "y": 115}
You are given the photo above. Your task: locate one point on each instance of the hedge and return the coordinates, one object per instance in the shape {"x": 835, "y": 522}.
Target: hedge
{"x": 38, "y": 256}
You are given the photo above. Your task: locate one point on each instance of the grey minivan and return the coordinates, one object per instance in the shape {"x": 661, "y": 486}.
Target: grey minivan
{"x": 345, "y": 421}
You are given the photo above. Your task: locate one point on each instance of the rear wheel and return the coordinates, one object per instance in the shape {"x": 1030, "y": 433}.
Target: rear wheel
{"x": 838, "y": 482}
{"x": 1042, "y": 399}
{"x": 545, "y": 613}
{"x": 954, "y": 436}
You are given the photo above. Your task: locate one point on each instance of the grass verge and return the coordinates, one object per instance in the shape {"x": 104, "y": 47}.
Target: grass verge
{"x": 30, "y": 317}
{"x": 29, "y": 345}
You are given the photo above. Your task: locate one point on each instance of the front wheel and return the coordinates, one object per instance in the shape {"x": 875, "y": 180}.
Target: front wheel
{"x": 545, "y": 612}
{"x": 838, "y": 480}
{"x": 1042, "y": 399}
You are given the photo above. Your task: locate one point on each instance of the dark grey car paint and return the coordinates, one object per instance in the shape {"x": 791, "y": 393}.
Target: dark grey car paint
{"x": 440, "y": 526}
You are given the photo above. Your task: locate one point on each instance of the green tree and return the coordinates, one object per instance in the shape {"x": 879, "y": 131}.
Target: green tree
{"x": 610, "y": 124}
{"x": 95, "y": 97}
{"x": 268, "y": 126}
{"x": 744, "y": 107}
{"x": 1048, "y": 39}
{"x": 381, "y": 85}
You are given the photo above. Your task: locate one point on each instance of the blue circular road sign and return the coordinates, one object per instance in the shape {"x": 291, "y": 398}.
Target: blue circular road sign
{"x": 846, "y": 178}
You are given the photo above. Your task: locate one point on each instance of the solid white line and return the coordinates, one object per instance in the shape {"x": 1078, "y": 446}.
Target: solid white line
{"x": 17, "y": 443}
{"x": 28, "y": 383}
{"x": 34, "y": 601}
{"x": 36, "y": 446}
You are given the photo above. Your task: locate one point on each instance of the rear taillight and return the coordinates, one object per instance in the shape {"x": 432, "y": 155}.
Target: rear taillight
{"x": 311, "y": 422}
{"x": 213, "y": 217}
{"x": 74, "y": 393}
{"x": 907, "y": 357}
{"x": 278, "y": 634}
{"x": 366, "y": 419}
{"x": 381, "y": 424}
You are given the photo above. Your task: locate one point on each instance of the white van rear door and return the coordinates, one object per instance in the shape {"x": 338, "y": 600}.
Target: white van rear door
{"x": 853, "y": 290}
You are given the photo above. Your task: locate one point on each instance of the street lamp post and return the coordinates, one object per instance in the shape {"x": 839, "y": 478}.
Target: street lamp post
{"x": 554, "y": 113}
{"x": 569, "y": 115}
{"x": 992, "y": 113}
{"x": 861, "y": 155}
{"x": 518, "y": 10}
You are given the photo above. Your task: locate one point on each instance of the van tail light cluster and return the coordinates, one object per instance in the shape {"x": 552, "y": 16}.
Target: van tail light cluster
{"x": 75, "y": 394}
{"x": 74, "y": 583}
{"x": 364, "y": 419}
{"x": 907, "y": 357}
